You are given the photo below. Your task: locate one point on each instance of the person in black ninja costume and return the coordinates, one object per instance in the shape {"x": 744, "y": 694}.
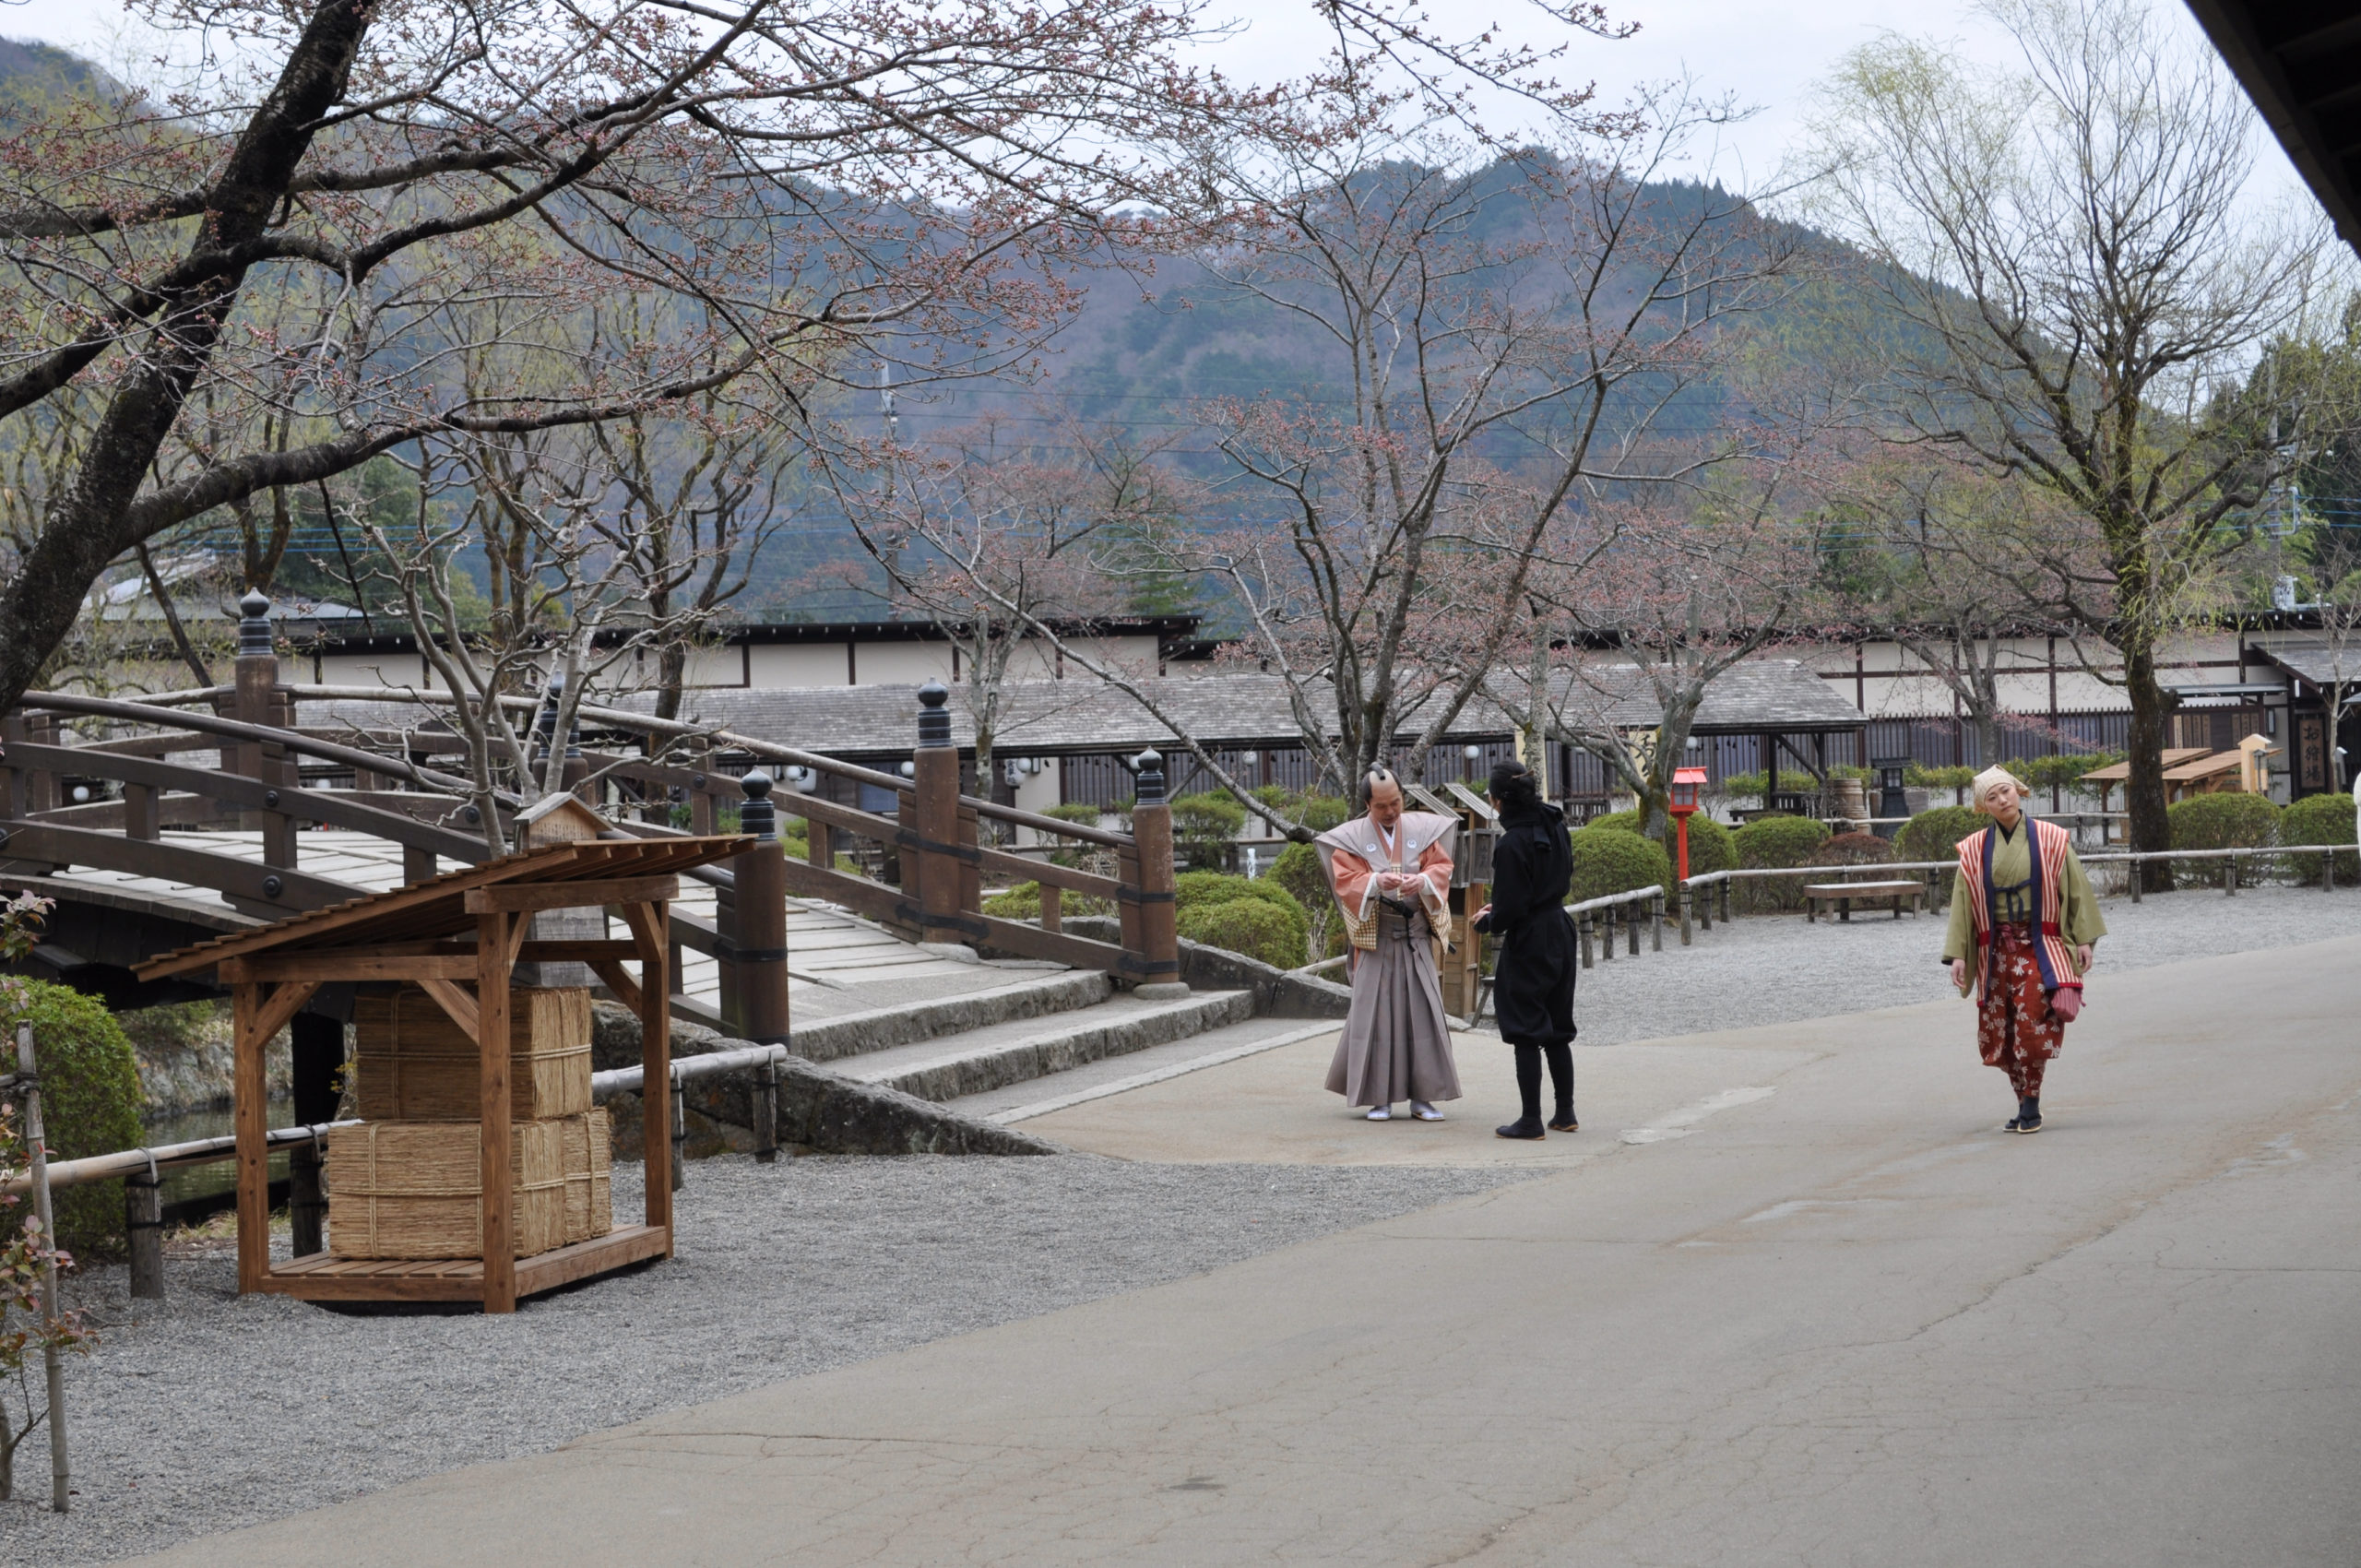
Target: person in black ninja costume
{"x": 1533, "y": 985}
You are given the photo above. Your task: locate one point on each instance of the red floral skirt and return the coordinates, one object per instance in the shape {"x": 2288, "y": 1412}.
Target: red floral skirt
{"x": 2014, "y": 1028}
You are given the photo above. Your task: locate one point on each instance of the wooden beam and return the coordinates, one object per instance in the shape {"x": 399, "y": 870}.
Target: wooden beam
{"x": 620, "y": 1248}
{"x": 271, "y": 1014}
{"x": 358, "y": 965}
{"x": 626, "y": 988}
{"x": 571, "y": 950}
{"x": 495, "y": 948}
{"x": 526, "y": 898}
{"x": 461, "y": 1007}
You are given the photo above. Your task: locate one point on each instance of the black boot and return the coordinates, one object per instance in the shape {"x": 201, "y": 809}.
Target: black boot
{"x": 1528, "y": 1088}
{"x": 1561, "y": 1078}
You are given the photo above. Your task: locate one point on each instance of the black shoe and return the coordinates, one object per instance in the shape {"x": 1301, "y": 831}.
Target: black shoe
{"x": 1564, "y": 1123}
{"x": 1520, "y": 1128}
{"x": 2028, "y": 1118}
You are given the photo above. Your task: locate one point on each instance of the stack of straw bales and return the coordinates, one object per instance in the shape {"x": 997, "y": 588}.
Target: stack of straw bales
{"x": 408, "y": 1182}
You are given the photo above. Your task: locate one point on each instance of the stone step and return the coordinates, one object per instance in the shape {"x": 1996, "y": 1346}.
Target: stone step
{"x": 992, "y": 1057}
{"x": 1023, "y": 1002}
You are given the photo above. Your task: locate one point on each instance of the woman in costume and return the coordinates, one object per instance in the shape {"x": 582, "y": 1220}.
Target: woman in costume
{"x": 2023, "y": 918}
{"x": 1533, "y": 978}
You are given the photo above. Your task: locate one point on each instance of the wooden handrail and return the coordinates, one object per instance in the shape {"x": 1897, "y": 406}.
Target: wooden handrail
{"x": 261, "y": 734}
{"x": 313, "y": 805}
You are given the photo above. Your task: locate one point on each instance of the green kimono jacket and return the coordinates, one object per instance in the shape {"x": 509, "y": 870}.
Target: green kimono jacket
{"x": 2077, "y": 907}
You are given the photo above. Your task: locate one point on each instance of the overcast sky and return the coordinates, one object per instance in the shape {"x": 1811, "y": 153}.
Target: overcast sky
{"x": 1768, "y": 56}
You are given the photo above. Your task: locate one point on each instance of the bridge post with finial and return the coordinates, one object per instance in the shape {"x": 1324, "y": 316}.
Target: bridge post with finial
{"x": 935, "y": 771}
{"x": 752, "y": 938}
{"x": 1151, "y": 943}
{"x": 261, "y": 701}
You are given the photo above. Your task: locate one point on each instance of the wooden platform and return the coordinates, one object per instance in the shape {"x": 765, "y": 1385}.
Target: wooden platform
{"x": 323, "y": 1277}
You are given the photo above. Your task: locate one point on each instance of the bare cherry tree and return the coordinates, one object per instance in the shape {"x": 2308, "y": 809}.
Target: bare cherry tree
{"x": 2085, "y": 279}
{"x": 1498, "y": 334}
{"x": 795, "y": 177}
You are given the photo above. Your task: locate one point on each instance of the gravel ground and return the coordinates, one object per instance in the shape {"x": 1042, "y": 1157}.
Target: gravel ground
{"x": 205, "y": 1412}
{"x": 1776, "y": 969}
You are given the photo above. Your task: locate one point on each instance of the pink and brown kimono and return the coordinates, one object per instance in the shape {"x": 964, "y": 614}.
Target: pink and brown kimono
{"x": 1396, "y": 1044}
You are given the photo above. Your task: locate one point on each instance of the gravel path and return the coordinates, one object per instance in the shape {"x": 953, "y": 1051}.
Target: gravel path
{"x": 205, "y": 1412}
{"x": 1776, "y": 969}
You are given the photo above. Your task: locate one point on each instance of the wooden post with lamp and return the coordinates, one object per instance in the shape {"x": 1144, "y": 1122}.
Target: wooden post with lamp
{"x": 1687, "y": 784}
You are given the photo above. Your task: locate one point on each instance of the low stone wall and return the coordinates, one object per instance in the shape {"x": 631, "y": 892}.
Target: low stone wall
{"x": 819, "y": 1111}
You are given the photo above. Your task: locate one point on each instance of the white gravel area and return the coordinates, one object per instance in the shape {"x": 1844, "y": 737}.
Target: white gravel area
{"x": 205, "y": 1412}
{"x": 1778, "y": 969}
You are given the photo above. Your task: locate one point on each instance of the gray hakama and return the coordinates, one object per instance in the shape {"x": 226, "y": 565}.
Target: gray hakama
{"x": 1396, "y": 1045}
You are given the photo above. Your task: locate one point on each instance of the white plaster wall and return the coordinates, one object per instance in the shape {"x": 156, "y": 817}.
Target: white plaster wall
{"x": 796, "y": 664}
{"x": 713, "y": 667}
{"x": 405, "y": 669}
{"x": 903, "y": 664}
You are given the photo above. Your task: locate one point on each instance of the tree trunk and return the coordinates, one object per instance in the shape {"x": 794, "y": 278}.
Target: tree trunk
{"x": 90, "y": 524}
{"x": 672, "y": 677}
{"x": 2144, "y": 792}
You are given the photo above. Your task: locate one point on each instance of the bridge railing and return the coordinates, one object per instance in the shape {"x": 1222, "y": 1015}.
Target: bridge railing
{"x": 136, "y": 787}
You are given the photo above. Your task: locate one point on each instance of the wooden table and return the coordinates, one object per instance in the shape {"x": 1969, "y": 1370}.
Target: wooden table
{"x": 1844, "y": 893}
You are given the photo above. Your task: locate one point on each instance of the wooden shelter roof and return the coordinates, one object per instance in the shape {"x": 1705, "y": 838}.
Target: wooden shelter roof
{"x": 2117, "y": 772}
{"x": 2204, "y": 768}
{"x": 437, "y": 907}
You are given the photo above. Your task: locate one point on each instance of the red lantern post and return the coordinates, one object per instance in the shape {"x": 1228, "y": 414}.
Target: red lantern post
{"x": 1686, "y": 783}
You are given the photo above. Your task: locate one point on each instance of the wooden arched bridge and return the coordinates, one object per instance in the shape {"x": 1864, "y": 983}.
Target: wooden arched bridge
{"x": 154, "y": 823}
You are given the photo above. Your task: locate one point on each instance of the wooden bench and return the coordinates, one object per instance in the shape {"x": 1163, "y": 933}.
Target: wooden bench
{"x": 1843, "y": 894}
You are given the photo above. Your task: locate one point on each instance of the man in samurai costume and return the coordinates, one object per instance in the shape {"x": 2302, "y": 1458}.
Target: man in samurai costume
{"x": 1390, "y": 870}
{"x": 2022, "y": 922}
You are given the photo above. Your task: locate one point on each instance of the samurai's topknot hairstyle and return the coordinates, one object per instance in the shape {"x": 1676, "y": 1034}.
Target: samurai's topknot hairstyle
{"x": 1376, "y": 775}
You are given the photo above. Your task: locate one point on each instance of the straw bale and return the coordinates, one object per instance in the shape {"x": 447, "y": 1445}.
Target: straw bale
{"x": 415, "y": 1189}
{"x": 590, "y": 1201}
{"x": 415, "y": 1064}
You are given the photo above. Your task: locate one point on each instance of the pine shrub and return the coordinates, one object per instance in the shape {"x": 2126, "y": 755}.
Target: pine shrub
{"x": 1202, "y": 826}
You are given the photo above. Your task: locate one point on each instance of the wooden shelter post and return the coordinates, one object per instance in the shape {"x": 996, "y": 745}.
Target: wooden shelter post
{"x": 493, "y": 957}
{"x": 649, "y": 922}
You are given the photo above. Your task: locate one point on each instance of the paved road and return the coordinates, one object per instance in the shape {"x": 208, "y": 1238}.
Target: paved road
{"x": 1841, "y": 1323}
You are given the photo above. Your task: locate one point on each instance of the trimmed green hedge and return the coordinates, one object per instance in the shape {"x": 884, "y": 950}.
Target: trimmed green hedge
{"x": 1212, "y": 889}
{"x": 90, "y": 1101}
{"x": 1771, "y": 841}
{"x": 1616, "y": 863}
{"x": 2321, "y": 819}
{"x": 2232, "y": 820}
{"x": 1250, "y": 926}
{"x": 1935, "y": 835}
{"x": 1022, "y": 902}
{"x": 1709, "y": 846}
